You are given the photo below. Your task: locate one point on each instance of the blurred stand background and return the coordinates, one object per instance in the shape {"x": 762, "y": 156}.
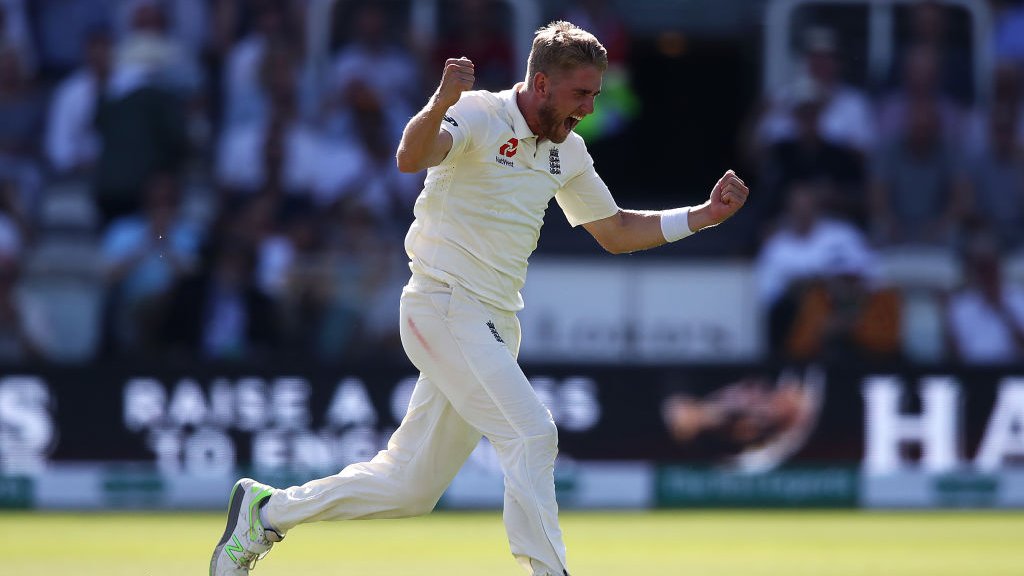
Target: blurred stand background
{"x": 193, "y": 192}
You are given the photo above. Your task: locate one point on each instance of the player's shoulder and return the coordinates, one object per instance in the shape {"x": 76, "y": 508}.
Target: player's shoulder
{"x": 475, "y": 111}
{"x": 479, "y": 100}
{"x": 575, "y": 143}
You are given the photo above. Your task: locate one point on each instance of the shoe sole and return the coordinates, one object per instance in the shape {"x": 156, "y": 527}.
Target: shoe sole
{"x": 234, "y": 507}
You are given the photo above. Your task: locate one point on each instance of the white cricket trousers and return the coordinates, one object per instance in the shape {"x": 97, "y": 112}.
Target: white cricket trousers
{"x": 470, "y": 385}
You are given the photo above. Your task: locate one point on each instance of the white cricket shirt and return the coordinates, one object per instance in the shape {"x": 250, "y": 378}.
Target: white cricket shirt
{"x": 480, "y": 212}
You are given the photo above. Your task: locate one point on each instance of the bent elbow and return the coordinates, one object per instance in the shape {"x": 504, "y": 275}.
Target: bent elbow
{"x": 613, "y": 247}
{"x": 405, "y": 165}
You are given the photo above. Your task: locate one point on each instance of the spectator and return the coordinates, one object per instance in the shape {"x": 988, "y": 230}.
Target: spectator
{"x": 144, "y": 255}
{"x": 801, "y": 250}
{"x": 806, "y": 155}
{"x": 371, "y": 61}
{"x": 16, "y": 341}
{"x": 913, "y": 197}
{"x": 142, "y": 133}
{"x": 245, "y": 98}
{"x": 371, "y": 58}
{"x": 220, "y": 314}
{"x": 806, "y": 243}
{"x": 72, "y": 144}
{"x": 368, "y": 275}
{"x": 920, "y": 82}
{"x": 295, "y": 268}
{"x": 994, "y": 180}
{"x": 985, "y": 318}
{"x": 845, "y": 116}
{"x": 277, "y": 154}
{"x": 475, "y": 32}
{"x": 362, "y": 169}
{"x": 929, "y": 27}
{"x": 1007, "y": 94}
{"x": 21, "y": 115}
{"x": 190, "y": 24}
{"x": 148, "y": 39}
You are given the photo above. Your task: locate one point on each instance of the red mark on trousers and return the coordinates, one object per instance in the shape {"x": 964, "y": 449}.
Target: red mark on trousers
{"x": 419, "y": 336}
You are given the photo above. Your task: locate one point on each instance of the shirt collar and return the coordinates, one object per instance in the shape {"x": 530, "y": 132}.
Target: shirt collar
{"x": 519, "y": 126}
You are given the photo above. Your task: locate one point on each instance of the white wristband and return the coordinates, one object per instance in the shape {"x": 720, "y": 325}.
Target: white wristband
{"x": 675, "y": 224}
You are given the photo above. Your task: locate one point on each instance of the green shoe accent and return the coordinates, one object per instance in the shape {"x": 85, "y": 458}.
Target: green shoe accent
{"x": 233, "y": 549}
{"x": 254, "y": 509}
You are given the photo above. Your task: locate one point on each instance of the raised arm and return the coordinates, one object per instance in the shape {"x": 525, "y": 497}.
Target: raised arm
{"x": 423, "y": 143}
{"x": 633, "y": 230}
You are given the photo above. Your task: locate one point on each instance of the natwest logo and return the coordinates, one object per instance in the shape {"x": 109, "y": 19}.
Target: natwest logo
{"x": 509, "y": 149}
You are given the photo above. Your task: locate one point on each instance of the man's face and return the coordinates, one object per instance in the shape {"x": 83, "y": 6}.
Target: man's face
{"x": 568, "y": 96}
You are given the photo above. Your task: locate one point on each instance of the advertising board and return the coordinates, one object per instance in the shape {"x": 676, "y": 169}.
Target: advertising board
{"x": 121, "y": 436}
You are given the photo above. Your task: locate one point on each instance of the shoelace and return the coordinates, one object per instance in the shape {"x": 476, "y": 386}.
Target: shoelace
{"x": 249, "y": 559}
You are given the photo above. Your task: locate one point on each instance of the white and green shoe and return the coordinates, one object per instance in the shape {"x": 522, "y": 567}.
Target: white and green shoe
{"x": 245, "y": 539}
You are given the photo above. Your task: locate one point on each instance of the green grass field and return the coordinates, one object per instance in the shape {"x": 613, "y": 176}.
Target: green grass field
{"x": 725, "y": 543}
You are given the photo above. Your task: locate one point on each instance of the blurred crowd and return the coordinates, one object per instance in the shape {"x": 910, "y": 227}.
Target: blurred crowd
{"x": 914, "y": 171}
{"x": 243, "y": 199}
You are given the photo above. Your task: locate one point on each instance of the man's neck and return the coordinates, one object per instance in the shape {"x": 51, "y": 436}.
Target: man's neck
{"x": 527, "y": 103}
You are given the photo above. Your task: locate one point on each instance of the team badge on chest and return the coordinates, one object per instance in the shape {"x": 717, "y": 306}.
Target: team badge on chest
{"x": 554, "y": 164}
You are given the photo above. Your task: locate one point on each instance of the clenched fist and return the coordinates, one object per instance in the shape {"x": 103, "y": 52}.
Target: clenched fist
{"x": 728, "y": 196}
{"x": 458, "y": 77}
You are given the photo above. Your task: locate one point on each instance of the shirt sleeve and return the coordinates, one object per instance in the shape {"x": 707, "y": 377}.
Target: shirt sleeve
{"x": 586, "y": 198}
{"x": 467, "y": 122}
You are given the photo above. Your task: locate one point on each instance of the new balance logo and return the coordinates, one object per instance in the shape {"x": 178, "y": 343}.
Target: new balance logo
{"x": 494, "y": 332}
{"x": 233, "y": 549}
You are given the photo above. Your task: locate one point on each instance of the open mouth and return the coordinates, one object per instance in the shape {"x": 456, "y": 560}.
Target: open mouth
{"x": 572, "y": 121}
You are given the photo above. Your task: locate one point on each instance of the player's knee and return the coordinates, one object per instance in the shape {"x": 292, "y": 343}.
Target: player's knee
{"x": 546, "y": 435}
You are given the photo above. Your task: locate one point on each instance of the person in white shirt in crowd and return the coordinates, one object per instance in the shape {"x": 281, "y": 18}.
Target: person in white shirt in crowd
{"x": 72, "y": 144}
{"x": 802, "y": 251}
{"x": 846, "y": 117}
{"x": 806, "y": 244}
{"x": 148, "y": 47}
{"x": 371, "y": 60}
{"x": 277, "y": 152}
{"x": 985, "y": 318}
{"x": 360, "y": 168}
{"x": 494, "y": 161}
{"x": 245, "y": 96}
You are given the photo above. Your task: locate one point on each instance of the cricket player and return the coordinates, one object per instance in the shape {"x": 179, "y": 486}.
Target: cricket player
{"x": 493, "y": 161}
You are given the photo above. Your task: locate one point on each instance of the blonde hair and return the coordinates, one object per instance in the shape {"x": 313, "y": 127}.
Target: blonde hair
{"x": 561, "y": 46}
